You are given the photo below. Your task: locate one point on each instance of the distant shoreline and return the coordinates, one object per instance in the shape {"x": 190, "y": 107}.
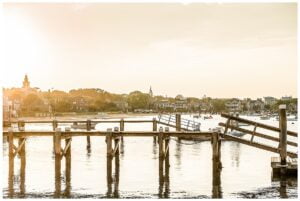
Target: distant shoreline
{"x": 88, "y": 116}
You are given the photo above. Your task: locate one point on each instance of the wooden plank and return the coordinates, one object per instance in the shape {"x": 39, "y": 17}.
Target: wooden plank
{"x": 258, "y": 134}
{"x": 291, "y": 133}
{"x": 257, "y": 145}
{"x": 80, "y": 121}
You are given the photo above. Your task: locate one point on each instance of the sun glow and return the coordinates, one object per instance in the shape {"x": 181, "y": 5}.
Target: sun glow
{"x": 21, "y": 47}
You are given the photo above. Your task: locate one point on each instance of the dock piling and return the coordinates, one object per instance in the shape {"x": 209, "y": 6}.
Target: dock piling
{"x": 88, "y": 138}
{"x": 109, "y": 153}
{"x": 154, "y": 128}
{"x": 216, "y": 165}
{"x": 283, "y": 139}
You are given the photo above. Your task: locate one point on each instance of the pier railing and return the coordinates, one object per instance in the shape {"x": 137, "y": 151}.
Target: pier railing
{"x": 281, "y": 139}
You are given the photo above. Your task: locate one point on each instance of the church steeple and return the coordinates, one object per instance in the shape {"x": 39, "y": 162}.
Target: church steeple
{"x": 150, "y": 92}
{"x": 26, "y": 83}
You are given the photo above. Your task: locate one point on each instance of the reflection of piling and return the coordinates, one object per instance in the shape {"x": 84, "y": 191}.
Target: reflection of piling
{"x": 88, "y": 138}
{"x": 216, "y": 165}
{"x": 283, "y": 139}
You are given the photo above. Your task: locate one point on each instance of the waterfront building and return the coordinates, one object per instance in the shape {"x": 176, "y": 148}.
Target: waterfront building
{"x": 234, "y": 105}
{"x": 270, "y": 100}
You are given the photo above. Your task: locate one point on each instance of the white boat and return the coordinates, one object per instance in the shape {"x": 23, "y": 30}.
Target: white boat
{"x": 292, "y": 118}
{"x": 265, "y": 117}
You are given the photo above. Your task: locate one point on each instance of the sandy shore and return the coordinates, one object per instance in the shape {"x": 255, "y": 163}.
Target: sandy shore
{"x": 89, "y": 116}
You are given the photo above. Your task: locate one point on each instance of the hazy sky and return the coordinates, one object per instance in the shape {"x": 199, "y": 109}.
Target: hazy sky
{"x": 220, "y": 50}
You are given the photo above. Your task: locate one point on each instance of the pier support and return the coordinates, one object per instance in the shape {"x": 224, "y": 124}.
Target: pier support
{"x": 13, "y": 150}
{"x": 216, "y": 165}
{"x": 178, "y": 122}
{"x": 10, "y": 163}
{"x": 109, "y": 157}
{"x": 21, "y": 125}
{"x": 164, "y": 163}
{"x": 59, "y": 154}
{"x": 283, "y": 139}
{"x": 88, "y": 138}
{"x": 122, "y": 126}
{"x": 154, "y": 128}
{"x": 112, "y": 153}
{"x": 54, "y": 127}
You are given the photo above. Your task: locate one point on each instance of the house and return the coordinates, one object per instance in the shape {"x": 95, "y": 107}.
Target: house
{"x": 180, "y": 103}
{"x": 234, "y": 105}
{"x": 80, "y": 104}
{"x": 269, "y": 100}
{"x": 286, "y": 98}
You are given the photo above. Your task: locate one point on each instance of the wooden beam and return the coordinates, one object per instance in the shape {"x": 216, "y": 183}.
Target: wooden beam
{"x": 257, "y": 145}
{"x": 257, "y": 134}
{"x": 291, "y": 133}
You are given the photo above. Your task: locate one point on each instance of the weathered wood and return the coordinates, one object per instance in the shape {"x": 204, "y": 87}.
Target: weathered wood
{"x": 22, "y": 154}
{"x": 167, "y": 156}
{"x": 283, "y": 138}
{"x": 109, "y": 155}
{"x": 80, "y": 121}
{"x": 68, "y": 152}
{"x": 265, "y": 126}
{"x": 254, "y": 133}
{"x": 21, "y": 147}
{"x": 57, "y": 142}
{"x": 161, "y": 154}
{"x": 104, "y": 133}
{"x": 154, "y": 128}
{"x": 21, "y": 125}
{"x": 257, "y": 145}
{"x": 178, "y": 122}
{"x": 88, "y": 138}
{"x": 10, "y": 162}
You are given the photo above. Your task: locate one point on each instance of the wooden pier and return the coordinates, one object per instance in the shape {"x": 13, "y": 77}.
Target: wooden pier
{"x": 114, "y": 139}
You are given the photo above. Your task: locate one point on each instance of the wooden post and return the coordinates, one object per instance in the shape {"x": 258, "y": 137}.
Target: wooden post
{"x": 216, "y": 167}
{"x": 57, "y": 151}
{"x": 161, "y": 154}
{"x": 117, "y": 164}
{"x": 154, "y": 128}
{"x": 109, "y": 153}
{"x": 88, "y": 138}
{"x": 68, "y": 165}
{"x": 178, "y": 122}
{"x": 54, "y": 126}
{"x": 167, "y": 160}
{"x": 22, "y": 155}
{"x": 21, "y": 125}
{"x": 283, "y": 138}
{"x": 122, "y": 126}
{"x": 11, "y": 162}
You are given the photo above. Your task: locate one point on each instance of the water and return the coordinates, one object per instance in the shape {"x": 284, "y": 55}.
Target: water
{"x": 246, "y": 171}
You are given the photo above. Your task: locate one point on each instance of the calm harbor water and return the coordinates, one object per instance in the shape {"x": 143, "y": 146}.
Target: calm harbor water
{"x": 246, "y": 171}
